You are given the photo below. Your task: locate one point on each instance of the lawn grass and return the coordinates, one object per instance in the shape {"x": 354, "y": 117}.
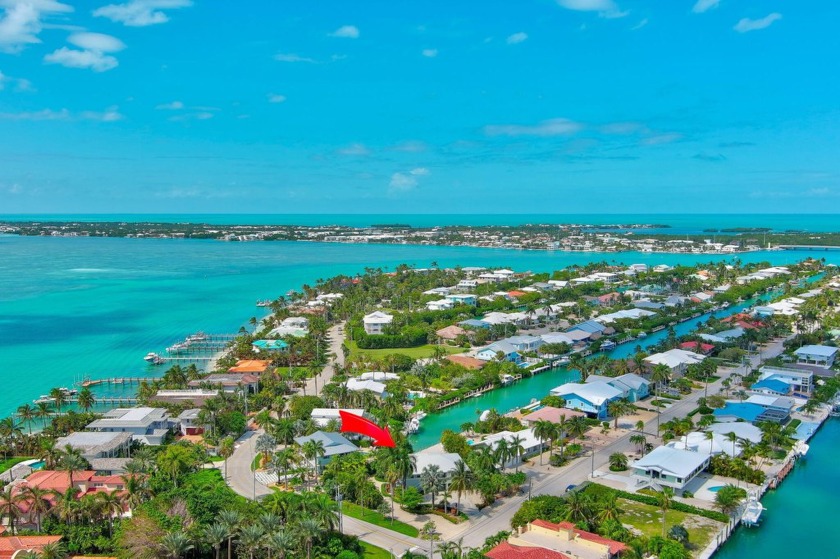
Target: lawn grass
{"x": 372, "y": 516}
{"x": 648, "y": 519}
{"x": 373, "y": 552}
{"x": 9, "y": 462}
{"x": 413, "y": 352}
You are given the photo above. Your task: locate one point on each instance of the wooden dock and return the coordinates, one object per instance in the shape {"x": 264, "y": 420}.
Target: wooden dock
{"x": 115, "y": 380}
{"x": 113, "y": 401}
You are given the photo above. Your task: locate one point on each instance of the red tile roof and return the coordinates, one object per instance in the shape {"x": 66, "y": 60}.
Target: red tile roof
{"x": 466, "y": 361}
{"x": 705, "y": 348}
{"x": 615, "y": 547}
{"x": 516, "y": 293}
{"x": 11, "y": 544}
{"x": 552, "y": 414}
{"x": 509, "y": 551}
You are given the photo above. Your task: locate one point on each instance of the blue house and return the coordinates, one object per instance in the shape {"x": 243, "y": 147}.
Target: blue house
{"x": 633, "y": 387}
{"x": 474, "y": 323}
{"x": 270, "y": 345}
{"x": 490, "y": 352}
{"x": 820, "y": 355}
{"x": 591, "y": 398}
{"x": 772, "y": 386}
{"x": 590, "y": 327}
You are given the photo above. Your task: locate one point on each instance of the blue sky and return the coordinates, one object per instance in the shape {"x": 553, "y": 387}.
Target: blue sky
{"x": 546, "y": 106}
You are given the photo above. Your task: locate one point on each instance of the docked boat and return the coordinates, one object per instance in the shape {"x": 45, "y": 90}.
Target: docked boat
{"x": 154, "y": 358}
{"x": 506, "y": 379}
{"x": 197, "y": 337}
{"x": 801, "y": 448}
{"x": 177, "y": 348}
{"x": 608, "y": 345}
{"x": 642, "y": 335}
{"x": 44, "y": 399}
{"x": 264, "y": 303}
{"x": 752, "y": 512}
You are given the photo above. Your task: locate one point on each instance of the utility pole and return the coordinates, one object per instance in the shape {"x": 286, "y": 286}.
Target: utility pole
{"x": 338, "y": 500}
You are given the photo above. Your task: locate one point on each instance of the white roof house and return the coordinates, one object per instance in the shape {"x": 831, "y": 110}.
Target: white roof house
{"x": 378, "y": 376}
{"x": 146, "y": 425}
{"x": 322, "y": 416}
{"x": 530, "y": 443}
{"x": 357, "y": 385}
{"x": 440, "y": 305}
{"x": 697, "y": 442}
{"x": 376, "y": 321}
{"x": 821, "y": 355}
{"x": 445, "y": 461}
{"x": 671, "y": 467}
{"x": 630, "y": 314}
{"x": 296, "y": 326}
{"x": 742, "y": 430}
{"x": 675, "y": 359}
{"x": 596, "y": 393}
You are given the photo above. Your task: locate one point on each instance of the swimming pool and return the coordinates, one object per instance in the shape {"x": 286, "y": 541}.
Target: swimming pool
{"x": 715, "y": 488}
{"x": 39, "y": 465}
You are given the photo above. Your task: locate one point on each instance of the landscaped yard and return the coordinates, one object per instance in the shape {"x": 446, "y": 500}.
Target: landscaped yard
{"x": 413, "y": 352}
{"x": 373, "y": 552}
{"x": 9, "y": 462}
{"x": 354, "y": 510}
{"x": 648, "y": 520}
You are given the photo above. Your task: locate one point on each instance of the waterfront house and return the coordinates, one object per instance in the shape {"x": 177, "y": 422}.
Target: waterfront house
{"x": 466, "y": 285}
{"x": 14, "y": 547}
{"x": 462, "y": 298}
{"x": 632, "y": 386}
{"x": 559, "y": 338}
{"x": 783, "y": 381}
{"x": 629, "y": 314}
{"x": 269, "y": 345}
{"x": 358, "y": 385}
{"x": 648, "y": 304}
{"x": 188, "y": 396}
{"x": 97, "y": 444}
{"x": 724, "y": 336}
{"x": 445, "y": 461}
{"x": 668, "y": 467}
{"x": 494, "y": 350}
{"x": 474, "y": 323}
{"x": 231, "y": 383}
{"x": 697, "y": 441}
{"x": 820, "y": 355}
{"x": 591, "y": 327}
{"x": 525, "y": 343}
{"x": 529, "y": 442}
{"x": 376, "y": 322}
{"x": 321, "y": 417}
{"x": 505, "y": 550}
{"x": 566, "y": 538}
{"x": 677, "y": 360}
{"x": 334, "y": 445}
{"x": 295, "y": 326}
{"x": 466, "y": 361}
{"x": 697, "y": 347}
{"x": 591, "y": 398}
{"x": 440, "y": 305}
{"x": 756, "y": 409}
{"x": 251, "y": 366}
{"x": 146, "y": 425}
{"x": 742, "y": 430}
{"x": 550, "y": 414}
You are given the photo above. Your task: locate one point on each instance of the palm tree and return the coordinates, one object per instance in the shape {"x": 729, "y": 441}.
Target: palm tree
{"x": 577, "y": 507}
{"x": 43, "y": 410}
{"x": 617, "y": 408}
{"x": 39, "y": 505}
{"x": 323, "y": 509}
{"x": 432, "y": 481}
{"x": 26, "y": 413}
{"x": 86, "y": 399}
{"x": 215, "y": 535}
{"x": 665, "y": 498}
{"x": 71, "y": 461}
{"x": 10, "y": 508}
{"x": 226, "y": 448}
{"x": 460, "y": 481}
{"x": 230, "y": 519}
{"x": 608, "y": 508}
{"x": 660, "y": 373}
{"x": 639, "y": 440}
{"x": 250, "y": 537}
{"x": 174, "y": 545}
{"x": 733, "y": 438}
{"x": 517, "y": 451}
{"x": 313, "y": 450}
{"x": 265, "y": 444}
{"x": 618, "y": 461}
{"x": 59, "y": 398}
{"x": 54, "y": 550}
{"x": 710, "y": 436}
{"x": 280, "y": 541}
{"x": 309, "y": 529}
{"x": 544, "y": 430}
{"x": 503, "y": 453}
{"x": 112, "y": 503}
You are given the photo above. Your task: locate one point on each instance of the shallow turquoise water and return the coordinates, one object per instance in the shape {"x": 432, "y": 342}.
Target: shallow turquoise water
{"x": 801, "y": 517}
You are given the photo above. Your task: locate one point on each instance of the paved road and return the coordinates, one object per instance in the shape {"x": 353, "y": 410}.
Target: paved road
{"x": 239, "y": 475}
{"x": 335, "y": 335}
{"x": 389, "y": 540}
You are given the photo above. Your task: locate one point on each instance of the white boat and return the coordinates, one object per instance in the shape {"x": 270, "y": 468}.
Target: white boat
{"x": 44, "y": 399}
{"x": 752, "y": 512}
{"x": 150, "y": 357}
{"x": 264, "y": 303}
{"x": 642, "y": 335}
{"x": 506, "y": 379}
{"x": 801, "y": 448}
{"x": 607, "y": 345}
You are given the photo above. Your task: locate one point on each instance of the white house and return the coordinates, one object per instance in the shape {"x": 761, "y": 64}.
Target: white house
{"x": 820, "y": 355}
{"x": 357, "y": 385}
{"x": 322, "y": 416}
{"x": 669, "y": 467}
{"x": 296, "y": 326}
{"x": 675, "y": 359}
{"x": 440, "y": 305}
{"x": 376, "y": 322}
{"x": 463, "y": 298}
{"x": 146, "y": 425}
{"x": 445, "y": 461}
{"x": 527, "y": 440}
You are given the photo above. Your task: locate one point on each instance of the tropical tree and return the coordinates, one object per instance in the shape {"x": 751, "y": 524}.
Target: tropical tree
{"x": 309, "y": 530}
{"x": 728, "y": 499}
{"x": 174, "y": 545}
{"x": 58, "y": 397}
{"x": 250, "y": 537}
{"x": 279, "y": 541}
{"x": 265, "y": 445}
{"x": 460, "y": 481}
{"x": 226, "y": 448}
{"x": 71, "y": 461}
{"x": 432, "y": 480}
{"x": 214, "y": 536}
{"x": 313, "y": 450}
{"x": 516, "y": 450}
{"x": 175, "y": 461}
{"x": 26, "y": 413}
{"x": 617, "y": 408}
{"x": 618, "y": 461}
{"x": 665, "y": 498}
{"x": 231, "y": 520}
{"x": 10, "y": 507}
{"x": 86, "y": 399}
{"x": 36, "y": 499}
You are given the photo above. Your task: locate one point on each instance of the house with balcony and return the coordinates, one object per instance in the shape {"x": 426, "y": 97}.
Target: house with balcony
{"x": 146, "y": 425}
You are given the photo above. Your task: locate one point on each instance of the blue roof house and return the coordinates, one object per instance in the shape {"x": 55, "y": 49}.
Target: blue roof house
{"x": 633, "y": 387}
{"x": 590, "y": 327}
{"x": 820, "y": 355}
{"x": 270, "y": 345}
{"x": 591, "y": 398}
{"x": 772, "y": 386}
{"x": 490, "y": 352}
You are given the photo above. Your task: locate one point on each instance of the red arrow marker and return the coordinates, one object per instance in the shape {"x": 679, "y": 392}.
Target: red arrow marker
{"x": 352, "y": 423}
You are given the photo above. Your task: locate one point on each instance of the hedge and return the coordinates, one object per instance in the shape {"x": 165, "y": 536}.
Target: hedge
{"x": 649, "y": 500}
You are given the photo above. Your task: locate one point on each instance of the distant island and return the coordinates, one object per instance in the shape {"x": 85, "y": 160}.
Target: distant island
{"x": 567, "y": 237}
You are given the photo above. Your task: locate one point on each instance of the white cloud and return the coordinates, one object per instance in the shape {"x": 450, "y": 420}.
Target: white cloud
{"x": 605, "y": 8}
{"x": 293, "y": 58}
{"x": 747, "y": 24}
{"x": 704, "y": 5}
{"x": 71, "y": 58}
{"x": 429, "y": 53}
{"x": 659, "y": 139}
{"x": 622, "y": 128}
{"x": 96, "y": 41}
{"x": 201, "y": 115}
{"x": 346, "y": 32}
{"x": 173, "y": 106}
{"x": 276, "y": 98}
{"x": 639, "y": 25}
{"x": 21, "y": 21}
{"x": 19, "y": 84}
{"x": 354, "y": 150}
{"x": 140, "y": 13}
{"x": 517, "y": 38}
{"x": 111, "y": 114}
{"x": 93, "y": 55}
{"x": 406, "y": 181}
{"x": 411, "y": 146}
{"x": 552, "y": 127}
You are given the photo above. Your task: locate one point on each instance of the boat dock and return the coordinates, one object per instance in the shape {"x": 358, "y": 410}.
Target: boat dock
{"x": 114, "y": 380}
{"x": 109, "y": 400}
{"x": 202, "y": 343}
